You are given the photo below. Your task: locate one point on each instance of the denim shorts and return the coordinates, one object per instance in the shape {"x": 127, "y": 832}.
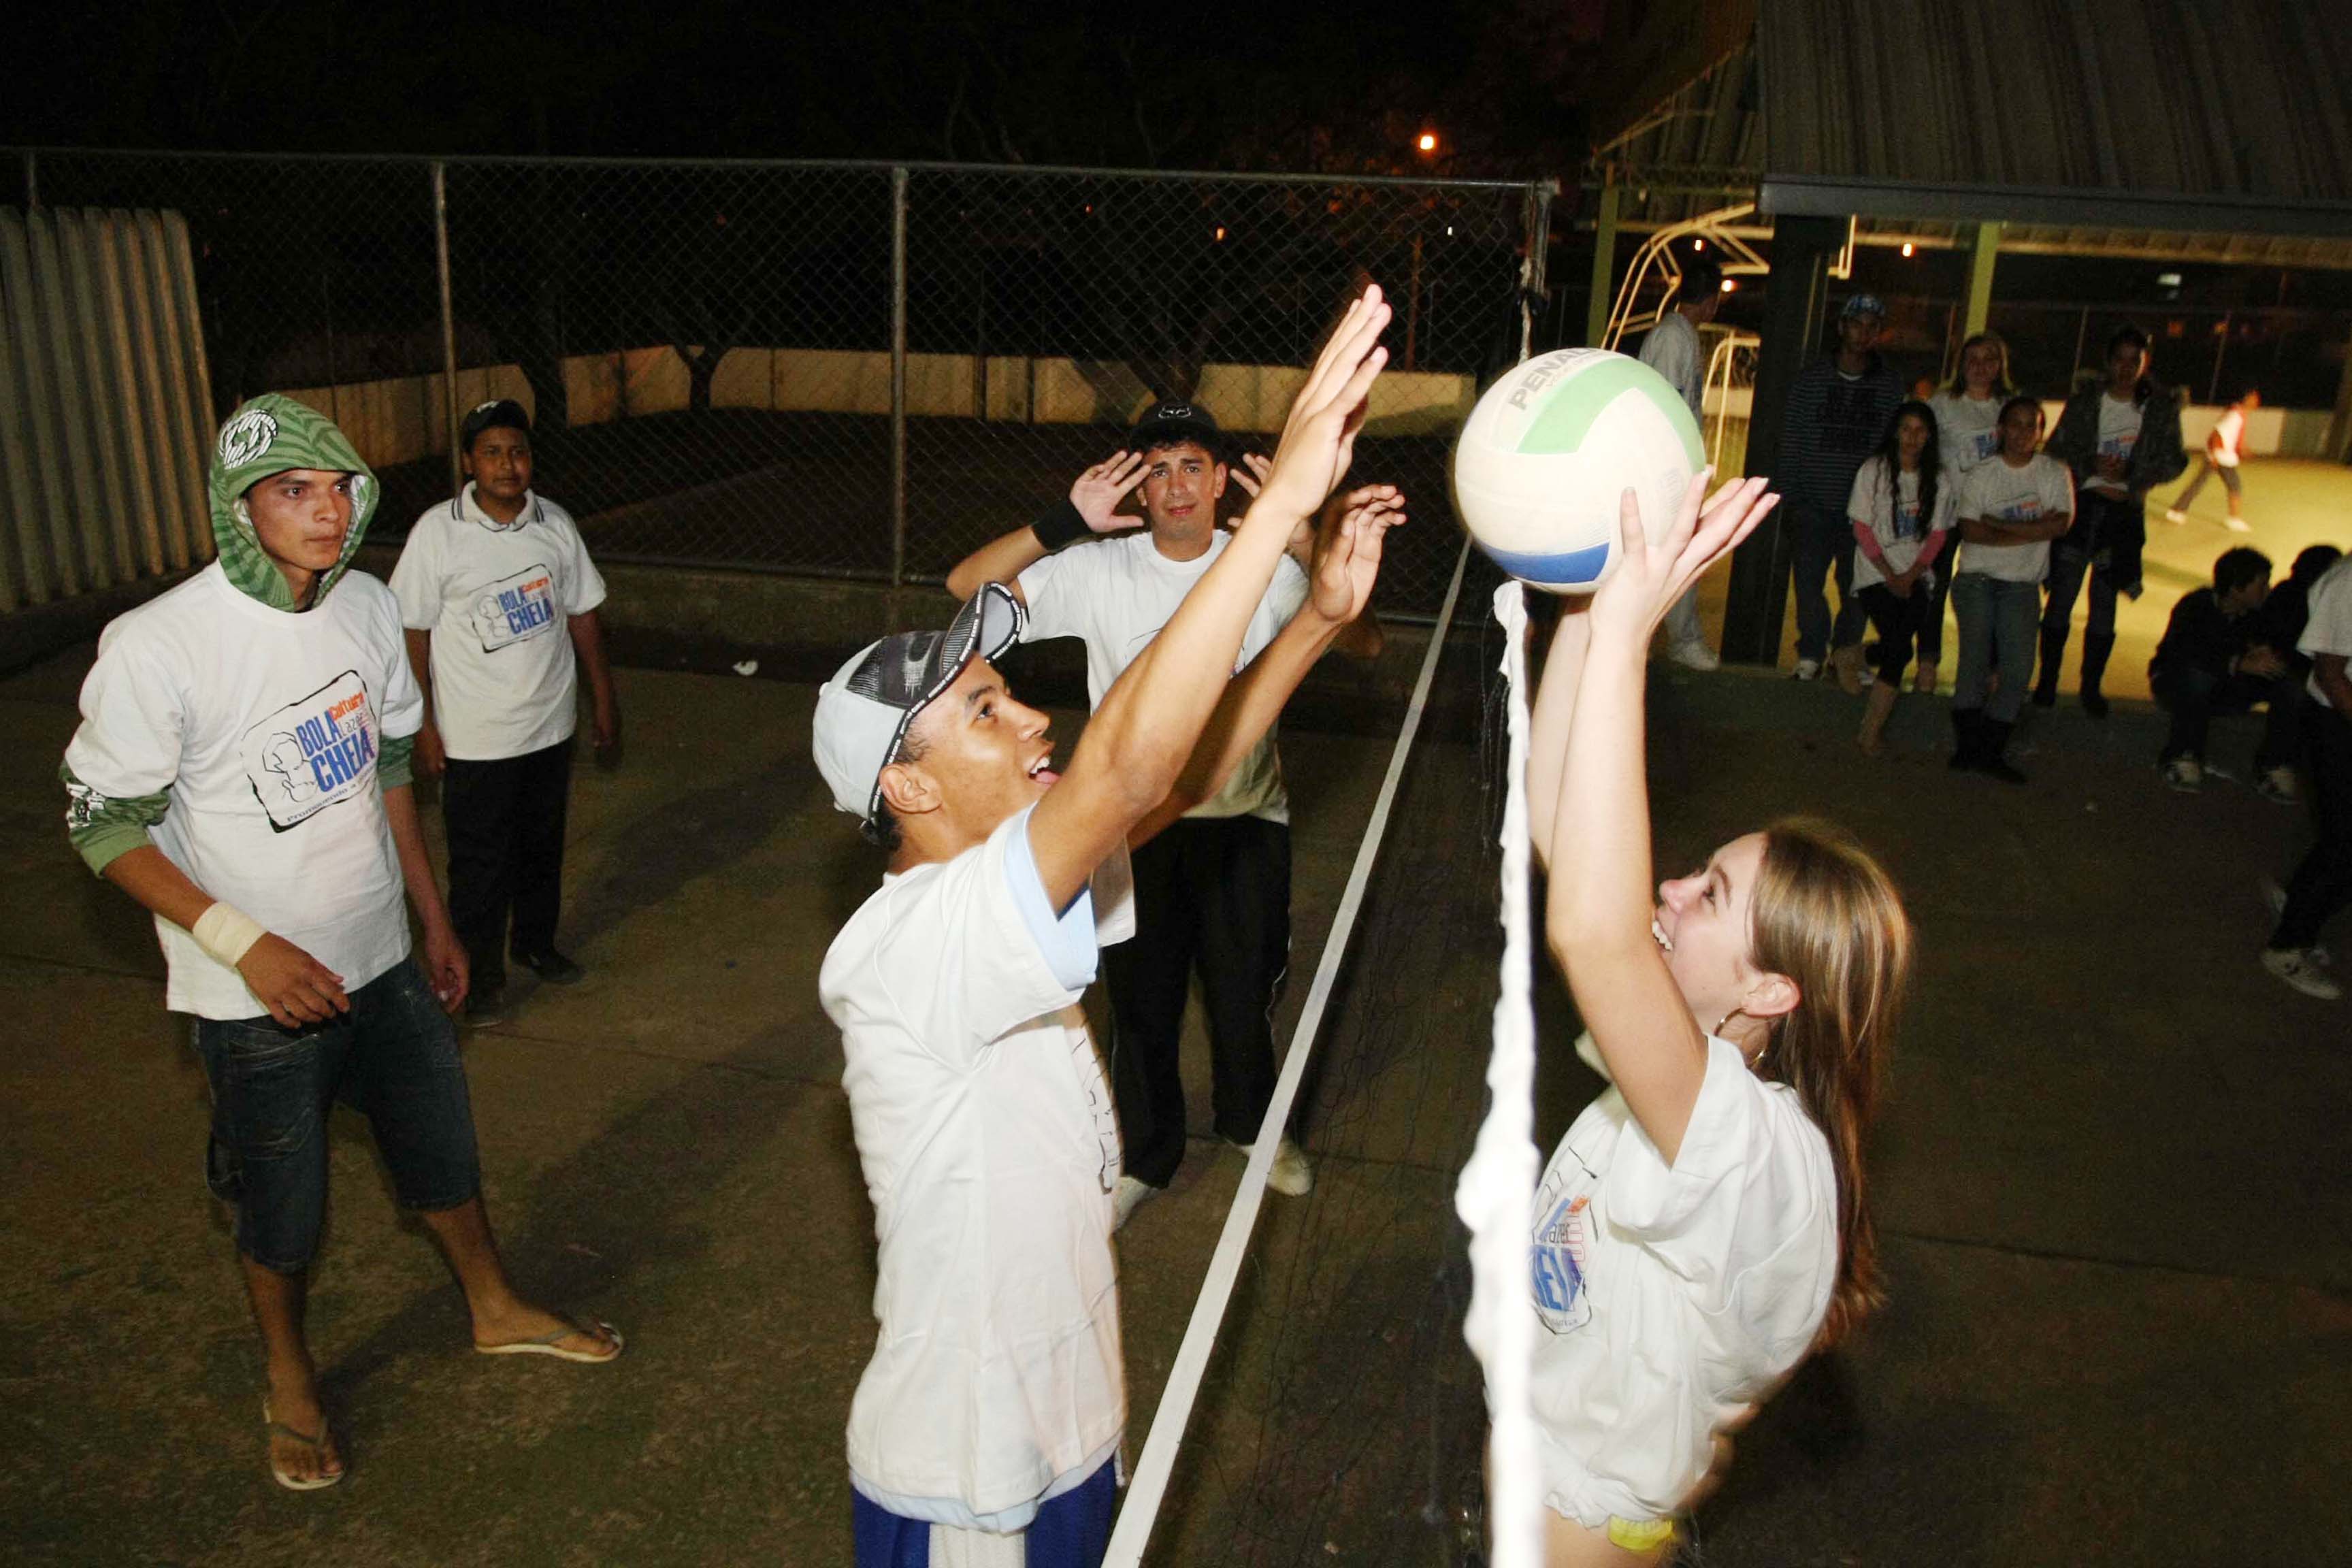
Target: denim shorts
{"x": 392, "y": 1059}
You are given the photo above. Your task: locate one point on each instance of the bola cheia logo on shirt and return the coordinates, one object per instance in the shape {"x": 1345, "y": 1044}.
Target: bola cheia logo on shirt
{"x": 313, "y": 753}
{"x": 1560, "y": 1255}
{"x": 515, "y": 609}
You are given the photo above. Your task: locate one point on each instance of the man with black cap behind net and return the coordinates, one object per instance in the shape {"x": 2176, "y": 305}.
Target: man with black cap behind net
{"x": 983, "y": 1429}
{"x": 498, "y": 597}
{"x": 1214, "y": 891}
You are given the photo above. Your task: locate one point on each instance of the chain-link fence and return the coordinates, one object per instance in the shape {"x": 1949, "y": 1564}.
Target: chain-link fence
{"x": 838, "y": 369}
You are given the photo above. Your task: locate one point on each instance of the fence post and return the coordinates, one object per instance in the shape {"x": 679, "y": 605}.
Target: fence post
{"x": 898, "y": 389}
{"x": 449, "y": 320}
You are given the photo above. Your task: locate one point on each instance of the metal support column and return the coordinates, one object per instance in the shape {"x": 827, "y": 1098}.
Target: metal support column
{"x": 1795, "y": 291}
{"x": 1981, "y": 251}
{"x": 448, "y": 324}
{"x": 2339, "y": 426}
{"x": 1604, "y": 265}
{"x": 897, "y": 390}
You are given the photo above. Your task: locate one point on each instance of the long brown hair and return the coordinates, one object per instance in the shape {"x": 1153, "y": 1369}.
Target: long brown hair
{"x": 2001, "y": 385}
{"x": 1827, "y": 915}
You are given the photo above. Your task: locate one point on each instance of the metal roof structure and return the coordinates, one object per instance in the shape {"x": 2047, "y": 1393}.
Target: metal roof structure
{"x": 2156, "y": 129}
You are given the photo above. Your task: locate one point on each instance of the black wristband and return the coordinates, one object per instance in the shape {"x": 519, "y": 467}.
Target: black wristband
{"x": 1061, "y": 526}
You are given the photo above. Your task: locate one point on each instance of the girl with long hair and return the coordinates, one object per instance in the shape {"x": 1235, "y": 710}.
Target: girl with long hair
{"x": 1902, "y": 514}
{"x": 1705, "y": 1225}
{"x": 1967, "y": 413}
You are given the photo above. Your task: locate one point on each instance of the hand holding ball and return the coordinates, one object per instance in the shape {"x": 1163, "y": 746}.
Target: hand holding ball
{"x": 1549, "y": 449}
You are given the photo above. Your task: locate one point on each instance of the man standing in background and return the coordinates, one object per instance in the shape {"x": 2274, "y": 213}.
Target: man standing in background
{"x": 2224, "y": 445}
{"x": 1837, "y": 411}
{"x": 1672, "y": 349}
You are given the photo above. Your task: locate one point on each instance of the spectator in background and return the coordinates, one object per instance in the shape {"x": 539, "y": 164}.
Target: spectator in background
{"x": 1902, "y": 510}
{"x": 1967, "y": 431}
{"x": 2323, "y": 883}
{"x": 2010, "y": 510}
{"x": 2278, "y": 625}
{"x": 1837, "y": 411}
{"x": 1672, "y": 349}
{"x": 2120, "y": 439}
{"x": 2223, "y": 446}
{"x": 2207, "y": 662}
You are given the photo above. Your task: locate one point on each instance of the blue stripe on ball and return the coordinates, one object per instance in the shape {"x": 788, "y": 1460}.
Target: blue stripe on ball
{"x": 1568, "y": 569}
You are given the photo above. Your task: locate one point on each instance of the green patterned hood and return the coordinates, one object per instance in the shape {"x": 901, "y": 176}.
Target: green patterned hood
{"x": 268, "y": 436}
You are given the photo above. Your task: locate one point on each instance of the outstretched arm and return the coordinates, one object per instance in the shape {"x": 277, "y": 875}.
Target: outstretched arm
{"x": 1600, "y": 908}
{"x": 1347, "y": 564}
{"x": 1093, "y": 501}
{"x": 1148, "y": 724}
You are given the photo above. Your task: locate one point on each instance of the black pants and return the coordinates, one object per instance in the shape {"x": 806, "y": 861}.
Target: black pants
{"x": 506, "y": 854}
{"x": 1931, "y": 621}
{"x": 2323, "y": 883}
{"x": 1216, "y": 893}
{"x": 2193, "y": 696}
{"x": 1899, "y": 623}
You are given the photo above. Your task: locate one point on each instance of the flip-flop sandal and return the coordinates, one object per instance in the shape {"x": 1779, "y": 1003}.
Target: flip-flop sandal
{"x": 316, "y": 1442}
{"x": 551, "y": 1345}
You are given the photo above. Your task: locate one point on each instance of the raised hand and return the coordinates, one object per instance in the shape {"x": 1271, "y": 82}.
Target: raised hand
{"x": 1319, "y": 439}
{"x": 1251, "y": 471}
{"x": 1347, "y": 554}
{"x": 1649, "y": 578}
{"x": 1098, "y": 490}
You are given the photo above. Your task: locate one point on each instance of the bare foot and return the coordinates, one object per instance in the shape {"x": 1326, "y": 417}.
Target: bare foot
{"x": 521, "y": 1324}
{"x": 302, "y": 1453}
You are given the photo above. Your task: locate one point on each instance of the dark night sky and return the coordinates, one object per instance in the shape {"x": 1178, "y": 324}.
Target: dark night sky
{"x": 1214, "y": 83}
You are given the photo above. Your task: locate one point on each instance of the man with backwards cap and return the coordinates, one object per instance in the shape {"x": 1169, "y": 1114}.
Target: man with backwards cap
{"x": 985, "y": 1426}
{"x": 498, "y": 596}
{"x": 241, "y": 770}
{"x": 1212, "y": 893}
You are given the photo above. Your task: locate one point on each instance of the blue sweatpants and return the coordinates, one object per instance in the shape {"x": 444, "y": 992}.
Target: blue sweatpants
{"x": 1073, "y": 1530}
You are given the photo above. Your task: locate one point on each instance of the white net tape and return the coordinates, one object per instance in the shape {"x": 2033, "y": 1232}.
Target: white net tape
{"x": 1148, "y": 1484}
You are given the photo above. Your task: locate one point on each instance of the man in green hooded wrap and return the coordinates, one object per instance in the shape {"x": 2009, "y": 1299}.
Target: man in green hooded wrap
{"x": 242, "y": 771}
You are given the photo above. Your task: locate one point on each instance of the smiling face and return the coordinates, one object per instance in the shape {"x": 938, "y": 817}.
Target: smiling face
{"x": 301, "y": 516}
{"x": 2020, "y": 432}
{"x": 1980, "y": 369}
{"x": 973, "y": 757}
{"x": 1702, "y": 926}
{"x": 1181, "y": 487}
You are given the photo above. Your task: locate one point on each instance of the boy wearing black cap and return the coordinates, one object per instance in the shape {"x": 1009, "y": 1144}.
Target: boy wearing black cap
{"x": 1214, "y": 891}
{"x": 498, "y": 597}
{"x": 985, "y": 1426}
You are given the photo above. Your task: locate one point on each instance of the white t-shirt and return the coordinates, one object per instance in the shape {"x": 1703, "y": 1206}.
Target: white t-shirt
{"x": 991, "y": 1149}
{"x": 1116, "y": 594}
{"x": 264, "y": 726}
{"x": 2231, "y": 430}
{"x": 1892, "y": 513}
{"x": 1967, "y": 429}
{"x": 496, "y": 599}
{"x": 2042, "y": 488}
{"x": 1672, "y": 349}
{"x": 2329, "y": 629}
{"x": 1668, "y": 1298}
{"x": 2119, "y": 434}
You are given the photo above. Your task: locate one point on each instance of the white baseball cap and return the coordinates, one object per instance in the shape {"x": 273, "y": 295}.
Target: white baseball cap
{"x": 863, "y": 711}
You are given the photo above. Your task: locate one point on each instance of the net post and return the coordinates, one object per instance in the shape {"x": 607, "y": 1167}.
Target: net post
{"x": 897, "y": 391}
{"x": 448, "y": 322}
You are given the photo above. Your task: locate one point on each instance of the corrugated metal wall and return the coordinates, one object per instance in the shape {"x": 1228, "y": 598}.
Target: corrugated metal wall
{"x": 105, "y": 403}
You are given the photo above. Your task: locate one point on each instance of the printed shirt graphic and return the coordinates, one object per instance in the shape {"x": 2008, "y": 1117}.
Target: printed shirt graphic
{"x": 2042, "y": 489}
{"x": 2119, "y": 422}
{"x": 1669, "y": 1296}
{"x": 499, "y": 602}
{"x": 1892, "y": 514}
{"x": 1117, "y": 593}
{"x": 264, "y": 726}
{"x": 984, "y": 1129}
{"x": 313, "y": 753}
{"x": 2231, "y": 428}
{"x": 1967, "y": 431}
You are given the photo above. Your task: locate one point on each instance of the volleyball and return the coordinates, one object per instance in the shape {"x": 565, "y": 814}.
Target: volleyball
{"x": 1550, "y": 448}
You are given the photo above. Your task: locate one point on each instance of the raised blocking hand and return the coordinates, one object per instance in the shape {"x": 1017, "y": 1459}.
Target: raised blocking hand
{"x": 1098, "y": 490}
{"x": 1347, "y": 552}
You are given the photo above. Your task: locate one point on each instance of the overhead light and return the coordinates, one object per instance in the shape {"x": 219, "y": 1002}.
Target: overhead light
{"x": 2167, "y": 280}
{"x": 1428, "y": 143}
{"x": 1906, "y": 247}
{"x": 1729, "y": 284}
{"x": 1698, "y": 244}
{"x": 1221, "y": 231}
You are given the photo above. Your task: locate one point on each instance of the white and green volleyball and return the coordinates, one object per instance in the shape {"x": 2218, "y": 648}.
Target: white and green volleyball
{"x": 1550, "y": 448}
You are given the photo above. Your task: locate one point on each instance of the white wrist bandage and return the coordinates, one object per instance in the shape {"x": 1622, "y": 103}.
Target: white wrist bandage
{"x": 227, "y": 932}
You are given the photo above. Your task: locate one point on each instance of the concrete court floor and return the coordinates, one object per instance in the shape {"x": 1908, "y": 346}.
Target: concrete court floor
{"x": 2112, "y": 1179}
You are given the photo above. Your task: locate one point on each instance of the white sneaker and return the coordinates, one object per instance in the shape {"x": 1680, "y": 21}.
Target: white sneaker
{"x": 2298, "y": 971}
{"x": 2185, "y": 774}
{"x": 1694, "y": 655}
{"x": 2277, "y": 785}
{"x": 2237, "y": 525}
{"x": 1809, "y": 669}
{"x": 2174, "y": 514}
{"x": 1290, "y": 1175}
{"x": 1131, "y": 1195}
{"x": 2275, "y": 897}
